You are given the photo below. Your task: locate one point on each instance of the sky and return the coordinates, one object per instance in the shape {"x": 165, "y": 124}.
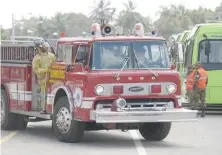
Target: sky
{"x": 48, "y": 7}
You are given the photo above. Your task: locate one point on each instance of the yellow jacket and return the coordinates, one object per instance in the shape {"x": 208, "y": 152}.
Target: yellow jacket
{"x": 41, "y": 63}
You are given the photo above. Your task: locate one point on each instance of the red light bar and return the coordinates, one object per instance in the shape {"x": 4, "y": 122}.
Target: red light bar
{"x": 62, "y": 34}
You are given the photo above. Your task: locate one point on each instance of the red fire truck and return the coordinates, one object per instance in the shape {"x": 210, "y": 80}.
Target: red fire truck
{"x": 103, "y": 82}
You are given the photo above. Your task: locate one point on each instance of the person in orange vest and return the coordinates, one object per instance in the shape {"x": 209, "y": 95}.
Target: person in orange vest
{"x": 190, "y": 82}
{"x": 199, "y": 87}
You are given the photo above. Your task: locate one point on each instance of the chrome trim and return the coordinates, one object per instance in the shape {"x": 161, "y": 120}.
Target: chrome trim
{"x": 173, "y": 115}
{"x": 87, "y": 104}
{"x": 88, "y": 98}
{"x": 156, "y": 106}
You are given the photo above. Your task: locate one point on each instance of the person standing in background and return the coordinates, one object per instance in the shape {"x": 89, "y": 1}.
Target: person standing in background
{"x": 199, "y": 87}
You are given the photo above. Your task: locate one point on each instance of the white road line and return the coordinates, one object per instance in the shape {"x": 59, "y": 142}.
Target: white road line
{"x": 137, "y": 142}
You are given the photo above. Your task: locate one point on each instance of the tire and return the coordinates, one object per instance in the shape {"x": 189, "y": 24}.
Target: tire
{"x": 75, "y": 130}
{"x": 11, "y": 121}
{"x": 21, "y": 123}
{"x": 155, "y": 131}
{"x": 8, "y": 120}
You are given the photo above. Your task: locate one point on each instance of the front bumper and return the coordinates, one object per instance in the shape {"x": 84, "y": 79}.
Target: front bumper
{"x": 171, "y": 115}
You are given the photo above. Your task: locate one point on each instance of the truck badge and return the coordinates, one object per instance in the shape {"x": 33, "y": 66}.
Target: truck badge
{"x": 136, "y": 89}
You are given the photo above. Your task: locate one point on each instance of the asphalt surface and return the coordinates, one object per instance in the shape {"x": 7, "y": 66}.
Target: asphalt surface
{"x": 203, "y": 137}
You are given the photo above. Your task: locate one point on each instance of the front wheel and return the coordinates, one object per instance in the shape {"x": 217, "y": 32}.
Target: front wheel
{"x": 155, "y": 131}
{"x": 66, "y": 129}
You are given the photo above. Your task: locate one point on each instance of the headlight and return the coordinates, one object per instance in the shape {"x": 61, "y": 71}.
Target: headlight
{"x": 99, "y": 90}
{"x": 171, "y": 88}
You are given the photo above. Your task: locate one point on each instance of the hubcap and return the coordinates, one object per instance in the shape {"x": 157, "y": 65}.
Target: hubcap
{"x": 2, "y": 110}
{"x": 63, "y": 120}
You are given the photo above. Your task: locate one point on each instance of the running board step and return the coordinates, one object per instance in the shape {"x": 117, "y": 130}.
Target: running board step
{"x": 33, "y": 114}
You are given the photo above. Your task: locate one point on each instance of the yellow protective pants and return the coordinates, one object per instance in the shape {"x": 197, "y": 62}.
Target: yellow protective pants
{"x": 43, "y": 93}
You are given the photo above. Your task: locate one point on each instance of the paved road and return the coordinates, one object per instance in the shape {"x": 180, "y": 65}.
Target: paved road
{"x": 197, "y": 138}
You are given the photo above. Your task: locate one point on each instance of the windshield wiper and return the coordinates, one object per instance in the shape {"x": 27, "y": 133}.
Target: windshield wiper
{"x": 155, "y": 74}
{"x": 126, "y": 59}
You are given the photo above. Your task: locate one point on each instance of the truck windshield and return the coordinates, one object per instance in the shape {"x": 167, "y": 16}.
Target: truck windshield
{"x": 141, "y": 54}
{"x": 215, "y": 55}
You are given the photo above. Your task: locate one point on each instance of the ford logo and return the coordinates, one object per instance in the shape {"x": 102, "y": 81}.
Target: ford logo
{"x": 136, "y": 89}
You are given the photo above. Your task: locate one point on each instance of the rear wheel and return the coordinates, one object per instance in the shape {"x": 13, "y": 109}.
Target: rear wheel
{"x": 66, "y": 129}
{"x": 155, "y": 131}
{"x": 10, "y": 121}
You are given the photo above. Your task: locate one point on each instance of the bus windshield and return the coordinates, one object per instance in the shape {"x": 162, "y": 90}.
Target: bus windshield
{"x": 140, "y": 54}
{"x": 215, "y": 55}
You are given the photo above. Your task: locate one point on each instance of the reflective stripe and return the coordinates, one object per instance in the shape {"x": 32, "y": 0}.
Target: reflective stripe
{"x": 203, "y": 78}
{"x": 191, "y": 80}
{"x": 88, "y": 98}
{"x": 20, "y": 91}
{"x": 20, "y": 96}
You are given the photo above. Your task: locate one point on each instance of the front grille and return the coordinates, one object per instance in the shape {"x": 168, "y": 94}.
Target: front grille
{"x": 138, "y": 104}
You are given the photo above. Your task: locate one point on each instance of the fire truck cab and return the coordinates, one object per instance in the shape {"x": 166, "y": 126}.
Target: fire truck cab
{"x": 103, "y": 82}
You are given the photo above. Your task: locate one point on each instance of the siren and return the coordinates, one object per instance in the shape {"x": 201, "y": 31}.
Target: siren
{"x": 107, "y": 30}
{"x": 138, "y": 29}
{"x": 95, "y": 29}
{"x": 154, "y": 33}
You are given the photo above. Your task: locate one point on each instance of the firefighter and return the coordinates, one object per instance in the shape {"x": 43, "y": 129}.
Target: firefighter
{"x": 40, "y": 64}
{"x": 199, "y": 87}
{"x": 189, "y": 83}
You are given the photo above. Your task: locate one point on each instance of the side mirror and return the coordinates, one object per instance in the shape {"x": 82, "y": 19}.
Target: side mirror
{"x": 77, "y": 67}
{"x": 173, "y": 67}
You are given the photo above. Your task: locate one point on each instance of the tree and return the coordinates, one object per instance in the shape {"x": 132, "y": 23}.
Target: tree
{"x": 129, "y": 17}
{"x": 173, "y": 19}
{"x": 4, "y": 34}
{"x": 102, "y": 10}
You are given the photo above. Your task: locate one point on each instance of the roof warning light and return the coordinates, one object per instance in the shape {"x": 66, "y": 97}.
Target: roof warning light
{"x": 138, "y": 29}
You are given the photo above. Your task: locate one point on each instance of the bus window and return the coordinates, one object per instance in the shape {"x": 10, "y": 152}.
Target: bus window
{"x": 202, "y": 55}
{"x": 188, "y": 53}
{"x": 215, "y": 55}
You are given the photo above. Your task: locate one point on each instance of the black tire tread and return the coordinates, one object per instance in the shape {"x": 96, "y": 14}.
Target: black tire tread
{"x": 155, "y": 131}
{"x": 21, "y": 123}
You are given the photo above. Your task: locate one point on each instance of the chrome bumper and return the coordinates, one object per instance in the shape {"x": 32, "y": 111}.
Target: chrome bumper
{"x": 174, "y": 115}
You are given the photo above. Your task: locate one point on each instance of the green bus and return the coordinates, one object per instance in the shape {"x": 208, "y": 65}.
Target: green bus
{"x": 186, "y": 34}
{"x": 204, "y": 44}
